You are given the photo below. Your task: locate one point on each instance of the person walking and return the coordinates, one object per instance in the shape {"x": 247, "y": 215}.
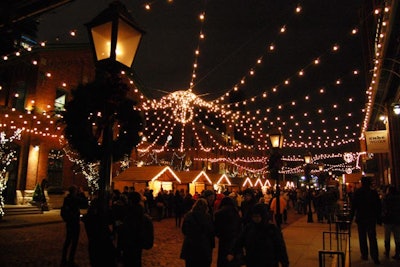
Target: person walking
{"x": 261, "y": 243}
{"x": 70, "y": 212}
{"x": 178, "y": 208}
{"x": 227, "y": 224}
{"x": 198, "y": 231}
{"x": 391, "y": 220}
{"x": 367, "y": 210}
{"x": 160, "y": 205}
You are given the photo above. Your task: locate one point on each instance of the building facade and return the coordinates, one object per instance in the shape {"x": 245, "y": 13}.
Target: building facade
{"x": 34, "y": 89}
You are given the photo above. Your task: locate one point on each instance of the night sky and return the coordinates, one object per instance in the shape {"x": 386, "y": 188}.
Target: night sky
{"x": 322, "y": 107}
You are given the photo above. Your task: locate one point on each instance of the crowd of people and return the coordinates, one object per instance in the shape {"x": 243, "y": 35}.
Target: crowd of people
{"x": 246, "y": 223}
{"x": 238, "y": 219}
{"x": 244, "y": 230}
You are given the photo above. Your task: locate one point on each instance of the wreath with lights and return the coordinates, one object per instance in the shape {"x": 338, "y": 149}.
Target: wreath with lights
{"x": 93, "y": 106}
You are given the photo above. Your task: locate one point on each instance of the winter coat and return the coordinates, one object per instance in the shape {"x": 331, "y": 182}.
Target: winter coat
{"x": 198, "y": 231}
{"x": 263, "y": 244}
{"x": 366, "y": 206}
{"x": 391, "y": 209}
{"x": 227, "y": 228}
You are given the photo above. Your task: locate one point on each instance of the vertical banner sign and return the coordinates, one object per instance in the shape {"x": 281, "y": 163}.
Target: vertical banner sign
{"x": 377, "y": 141}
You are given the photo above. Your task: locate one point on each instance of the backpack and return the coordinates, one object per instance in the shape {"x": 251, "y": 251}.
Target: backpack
{"x": 148, "y": 232}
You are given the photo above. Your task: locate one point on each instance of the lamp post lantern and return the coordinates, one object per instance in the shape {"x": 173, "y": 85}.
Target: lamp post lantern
{"x": 274, "y": 165}
{"x": 396, "y": 109}
{"x": 307, "y": 173}
{"x": 114, "y": 37}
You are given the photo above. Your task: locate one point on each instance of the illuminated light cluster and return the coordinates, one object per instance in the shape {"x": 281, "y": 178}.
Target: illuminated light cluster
{"x": 90, "y": 170}
{"x": 43, "y": 126}
{"x": 7, "y": 155}
{"x": 182, "y": 104}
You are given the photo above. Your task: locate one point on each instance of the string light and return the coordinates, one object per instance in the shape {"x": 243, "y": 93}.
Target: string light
{"x": 183, "y": 109}
{"x": 7, "y": 155}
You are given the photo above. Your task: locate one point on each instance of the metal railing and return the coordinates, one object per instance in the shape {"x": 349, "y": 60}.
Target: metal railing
{"x": 336, "y": 245}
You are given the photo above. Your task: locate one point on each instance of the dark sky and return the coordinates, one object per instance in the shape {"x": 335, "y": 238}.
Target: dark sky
{"x": 238, "y": 32}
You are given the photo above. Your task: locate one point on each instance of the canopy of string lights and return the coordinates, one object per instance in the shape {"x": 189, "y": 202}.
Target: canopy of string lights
{"x": 220, "y": 74}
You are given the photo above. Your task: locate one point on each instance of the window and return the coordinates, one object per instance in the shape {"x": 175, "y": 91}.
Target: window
{"x": 55, "y": 168}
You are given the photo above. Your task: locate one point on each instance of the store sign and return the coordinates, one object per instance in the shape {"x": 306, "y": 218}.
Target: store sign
{"x": 377, "y": 141}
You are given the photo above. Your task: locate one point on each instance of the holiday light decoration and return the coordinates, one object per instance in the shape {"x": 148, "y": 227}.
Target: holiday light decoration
{"x": 381, "y": 28}
{"x": 7, "y": 155}
{"x": 90, "y": 170}
{"x": 225, "y": 178}
{"x": 184, "y": 114}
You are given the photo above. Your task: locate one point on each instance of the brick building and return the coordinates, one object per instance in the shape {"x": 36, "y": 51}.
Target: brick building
{"x": 34, "y": 88}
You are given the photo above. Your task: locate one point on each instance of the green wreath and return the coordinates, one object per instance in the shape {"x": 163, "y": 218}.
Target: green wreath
{"x": 93, "y": 106}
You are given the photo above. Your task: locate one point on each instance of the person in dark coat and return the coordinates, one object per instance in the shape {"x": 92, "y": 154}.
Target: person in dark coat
{"x": 209, "y": 195}
{"x": 98, "y": 220}
{"x": 367, "y": 210}
{"x": 178, "y": 208}
{"x": 227, "y": 224}
{"x": 188, "y": 202}
{"x": 261, "y": 242}
{"x": 132, "y": 228}
{"x": 72, "y": 226}
{"x": 160, "y": 205}
{"x": 391, "y": 220}
{"x": 198, "y": 231}
{"x": 247, "y": 205}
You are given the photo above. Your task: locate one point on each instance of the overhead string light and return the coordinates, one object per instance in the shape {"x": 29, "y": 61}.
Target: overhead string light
{"x": 337, "y": 82}
{"x": 228, "y": 115}
{"x": 383, "y": 19}
{"x": 252, "y": 71}
{"x": 274, "y": 89}
{"x": 202, "y": 18}
{"x": 249, "y": 131}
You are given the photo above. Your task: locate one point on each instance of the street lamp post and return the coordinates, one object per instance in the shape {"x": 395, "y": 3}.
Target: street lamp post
{"x": 114, "y": 38}
{"x": 275, "y": 164}
{"x": 307, "y": 173}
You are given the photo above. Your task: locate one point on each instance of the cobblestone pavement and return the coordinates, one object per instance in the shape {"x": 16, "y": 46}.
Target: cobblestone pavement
{"x": 41, "y": 245}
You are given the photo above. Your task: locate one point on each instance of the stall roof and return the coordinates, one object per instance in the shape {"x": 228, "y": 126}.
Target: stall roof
{"x": 194, "y": 176}
{"x": 148, "y": 173}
